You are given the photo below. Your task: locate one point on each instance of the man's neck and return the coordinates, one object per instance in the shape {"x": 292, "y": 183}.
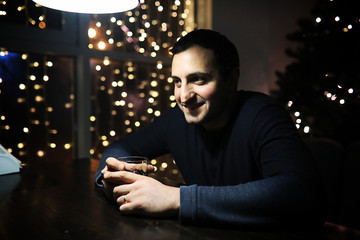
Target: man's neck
{"x": 222, "y": 120}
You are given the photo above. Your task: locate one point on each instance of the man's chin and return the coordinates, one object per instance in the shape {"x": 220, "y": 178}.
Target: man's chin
{"x": 192, "y": 120}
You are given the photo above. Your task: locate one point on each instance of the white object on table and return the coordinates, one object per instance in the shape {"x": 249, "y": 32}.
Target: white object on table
{"x": 8, "y": 163}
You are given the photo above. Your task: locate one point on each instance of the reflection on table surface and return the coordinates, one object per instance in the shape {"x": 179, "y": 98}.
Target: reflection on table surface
{"x": 58, "y": 200}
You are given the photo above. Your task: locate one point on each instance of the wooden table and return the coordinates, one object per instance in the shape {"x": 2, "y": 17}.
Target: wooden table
{"x": 58, "y": 200}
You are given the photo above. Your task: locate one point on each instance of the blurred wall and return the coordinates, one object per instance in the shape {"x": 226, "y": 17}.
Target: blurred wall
{"x": 258, "y": 29}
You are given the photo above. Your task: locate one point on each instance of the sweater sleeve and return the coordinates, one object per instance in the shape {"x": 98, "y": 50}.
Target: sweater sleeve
{"x": 150, "y": 142}
{"x": 277, "y": 202}
{"x": 289, "y": 194}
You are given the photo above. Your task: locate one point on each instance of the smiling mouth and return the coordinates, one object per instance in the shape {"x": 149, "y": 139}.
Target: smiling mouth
{"x": 192, "y": 106}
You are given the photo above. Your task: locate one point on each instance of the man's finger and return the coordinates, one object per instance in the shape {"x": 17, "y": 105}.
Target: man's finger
{"x": 121, "y": 177}
{"x": 114, "y": 165}
{"x": 121, "y": 190}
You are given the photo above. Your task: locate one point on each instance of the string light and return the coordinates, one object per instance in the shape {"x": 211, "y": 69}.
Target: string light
{"x": 137, "y": 92}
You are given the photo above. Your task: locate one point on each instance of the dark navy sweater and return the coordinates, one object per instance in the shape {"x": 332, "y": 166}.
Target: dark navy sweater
{"x": 254, "y": 173}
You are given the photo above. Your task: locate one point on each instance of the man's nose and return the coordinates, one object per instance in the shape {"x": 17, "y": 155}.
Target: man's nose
{"x": 186, "y": 93}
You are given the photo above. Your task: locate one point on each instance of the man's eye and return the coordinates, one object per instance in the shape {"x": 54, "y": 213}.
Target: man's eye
{"x": 177, "y": 82}
{"x": 199, "y": 80}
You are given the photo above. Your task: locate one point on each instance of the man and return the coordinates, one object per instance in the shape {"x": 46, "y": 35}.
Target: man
{"x": 241, "y": 157}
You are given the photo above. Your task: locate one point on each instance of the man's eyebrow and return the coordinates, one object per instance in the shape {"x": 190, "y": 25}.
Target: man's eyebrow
{"x": 195, "y": 74}
{"x": 206, "y": 74}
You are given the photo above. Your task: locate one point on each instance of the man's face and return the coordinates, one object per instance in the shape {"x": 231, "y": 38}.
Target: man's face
{"x": 199, "y": 91}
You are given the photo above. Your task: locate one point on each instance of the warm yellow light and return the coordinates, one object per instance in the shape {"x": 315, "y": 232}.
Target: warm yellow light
{"x": 40, "y": 153}
{"x": 53, "y": 131}
{"x": 154, "y": 83}
{"x": 22, "y": 86}
{"x": 39, "y": 98}
{"x": 154, "y": 94}
{"x": 106, "y": 61}
{"x": 101, "y": 45}
{"x": 120, "y": 83}
{"x": 20, "y": 8}
{"x": 42, "y": 25}
{"x": 91, "y": 33}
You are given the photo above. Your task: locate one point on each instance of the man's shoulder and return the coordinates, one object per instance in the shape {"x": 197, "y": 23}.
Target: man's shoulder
{"x": 171, "y": 116}
{"x": 254, "y": 99}
{"x": 173, "y": 112}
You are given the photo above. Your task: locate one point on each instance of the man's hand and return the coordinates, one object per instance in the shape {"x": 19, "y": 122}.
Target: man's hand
{"x": 113, "y": 164}
{"x": 137, "y": 194}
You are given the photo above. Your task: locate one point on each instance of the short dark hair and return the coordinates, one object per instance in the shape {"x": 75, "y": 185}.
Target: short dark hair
{"x": 225, "y": 52}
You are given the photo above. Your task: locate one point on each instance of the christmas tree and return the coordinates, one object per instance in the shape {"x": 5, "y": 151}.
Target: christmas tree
{"x": 321, "y": 87}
